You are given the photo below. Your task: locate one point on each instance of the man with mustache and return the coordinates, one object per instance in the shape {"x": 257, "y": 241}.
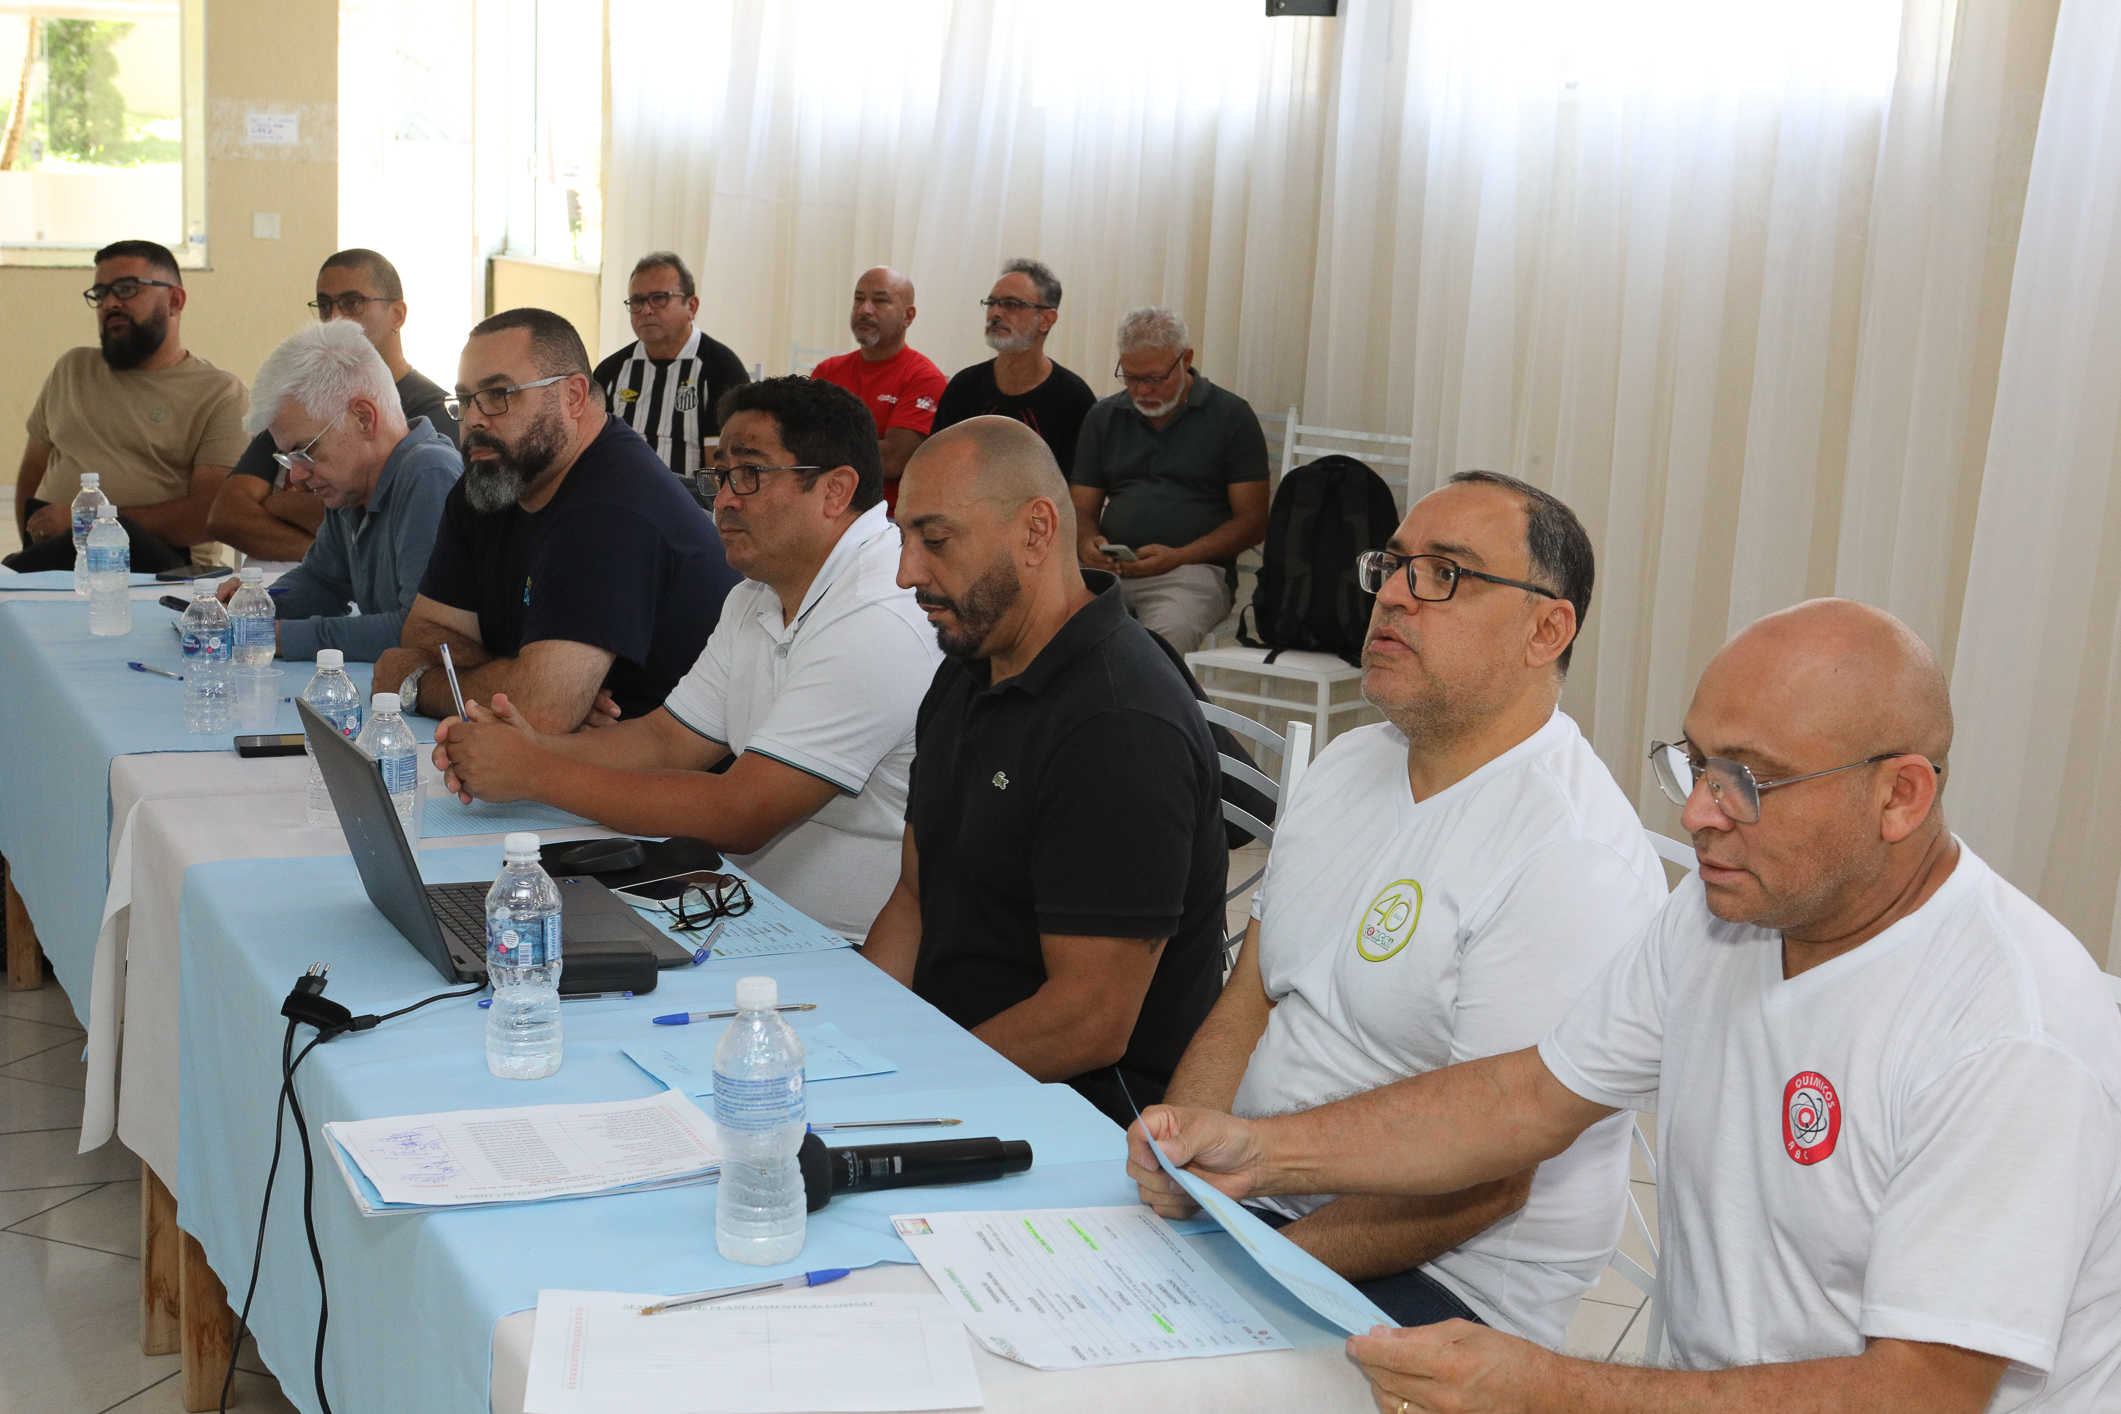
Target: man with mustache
{"x": 1887, "y": 1086}
{"x": 1173, "y": 469}
{"x": 1061, "y": 890}
{"x": 810, "y": 681}
{"x": 158, "y": 424}
{"x": 1020, "y": 381}
{"x": 898, "y": 386}
{"x": 572, "y": 571}
{"x": 1442, "y": 886}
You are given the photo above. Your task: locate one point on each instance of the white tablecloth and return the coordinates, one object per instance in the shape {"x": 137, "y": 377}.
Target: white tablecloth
{"x": 1313, "y": 1378}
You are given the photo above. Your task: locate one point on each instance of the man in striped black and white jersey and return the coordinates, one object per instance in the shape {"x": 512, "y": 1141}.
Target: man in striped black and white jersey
{"x": 666, "y": 383}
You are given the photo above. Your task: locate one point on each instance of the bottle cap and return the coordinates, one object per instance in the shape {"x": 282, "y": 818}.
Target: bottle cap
{"x": 106, "y": 511}
{"x": 756, "y": 993}
{"x": 521, "y": 844}
{"x": 331, "y": 657}
{"x": 91, "y": 479}
{"x": 203, "y": 588}
{"x": 384, "y": 702}
{"x": 250, "y": 574}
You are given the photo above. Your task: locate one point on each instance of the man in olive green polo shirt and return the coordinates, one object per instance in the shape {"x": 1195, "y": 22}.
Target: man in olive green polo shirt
{"x": 1173, "y": 469}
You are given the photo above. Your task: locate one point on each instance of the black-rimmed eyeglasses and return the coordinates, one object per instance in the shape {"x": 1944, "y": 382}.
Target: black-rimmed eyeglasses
{"x": 1011, "y": 304}
{"x": 695, "y": 908}
{"x": 1430, "y": 578}
{"x": 652, "y": 299}
{"x": 349, "y": 304}
{"x": 1731, "y": 783}
{"x": 1146, "y": 380}
{"x": 124, "y": 289}
{"x": 493, "y": 402}
{"x": 743, "y": 478}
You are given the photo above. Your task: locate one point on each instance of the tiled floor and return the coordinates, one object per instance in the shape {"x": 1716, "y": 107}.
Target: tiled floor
{"x": 70, "y": 1241}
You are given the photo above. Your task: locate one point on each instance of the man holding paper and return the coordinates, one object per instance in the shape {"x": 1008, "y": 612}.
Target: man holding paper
{"x": 1442, "y": 886}
{"x": 1887, "y": 1086}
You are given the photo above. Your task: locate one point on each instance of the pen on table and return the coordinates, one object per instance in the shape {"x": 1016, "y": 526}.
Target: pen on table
{"x": 882, "y": 1124}
{"x": 158, "y": 672}
{"x": 449, "y": 667}
{"x": 680, "y": 1018}
{"x": 579, "y": 997}
{"x": 818, "y": 1278}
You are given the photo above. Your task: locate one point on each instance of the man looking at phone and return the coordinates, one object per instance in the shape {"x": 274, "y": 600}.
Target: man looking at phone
{"x": 811, "y": 680}
{"x": 1173, "y": 469}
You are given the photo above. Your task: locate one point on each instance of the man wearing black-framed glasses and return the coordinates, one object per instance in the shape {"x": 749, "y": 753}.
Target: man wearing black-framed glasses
{"x": 259, "y": 510}
{"x": 1885, "y": 1083}
{"x": 1020, "y": 381}
{"x": 571, "y": 573}
{"x": 156, "y": 423}
{"x": 668, "y": 382}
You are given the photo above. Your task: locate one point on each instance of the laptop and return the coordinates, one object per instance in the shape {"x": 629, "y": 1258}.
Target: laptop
{"x": 446, "y": 923}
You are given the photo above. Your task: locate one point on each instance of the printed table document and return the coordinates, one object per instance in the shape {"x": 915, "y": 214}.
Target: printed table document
{"x": 1065, "y": 1288}
{"x": 537, "y": 1151}
{"x": 1309, "y": 1280}
{"x": 594, "y": 1353}
{"x": 684, "y": 1060}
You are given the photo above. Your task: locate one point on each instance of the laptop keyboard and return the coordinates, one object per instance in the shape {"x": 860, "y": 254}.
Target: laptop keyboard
{"x": 461, "y": 908}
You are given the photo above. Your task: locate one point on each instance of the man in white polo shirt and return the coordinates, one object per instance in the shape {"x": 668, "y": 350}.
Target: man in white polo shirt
{"x": 1443, "y": 886}
{"x": 811, "y": 679}
{"x": 1887, "y": 1085}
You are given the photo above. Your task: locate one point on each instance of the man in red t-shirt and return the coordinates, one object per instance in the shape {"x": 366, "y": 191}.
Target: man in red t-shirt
{"x": 898, "y": 386}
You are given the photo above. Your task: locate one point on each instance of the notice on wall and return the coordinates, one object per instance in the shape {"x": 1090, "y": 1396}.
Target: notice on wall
{"x": 272, "y": 129}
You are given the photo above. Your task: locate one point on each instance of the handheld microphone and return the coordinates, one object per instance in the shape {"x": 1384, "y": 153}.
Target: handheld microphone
{"x": 868, "y": 1167}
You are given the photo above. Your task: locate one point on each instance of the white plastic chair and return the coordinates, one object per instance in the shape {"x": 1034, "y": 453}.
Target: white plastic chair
{"x": 802, "y": 358}
{"x": 1679, "y": 854}
{"x": 1295, "y": 753}
{"x": 1301, "y": 440}
{"x": 1644, "y": 1279}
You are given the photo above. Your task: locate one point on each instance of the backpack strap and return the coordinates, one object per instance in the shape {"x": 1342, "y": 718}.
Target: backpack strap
{"x": 1302, "y": 574}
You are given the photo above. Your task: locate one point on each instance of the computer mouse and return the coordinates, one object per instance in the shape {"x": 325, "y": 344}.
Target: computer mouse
{"x": 606, "y": 856}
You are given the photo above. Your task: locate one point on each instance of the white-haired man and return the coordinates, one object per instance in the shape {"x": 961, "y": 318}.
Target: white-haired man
{"x": 1172, "y": 471}
{"x": 327, "y": 399}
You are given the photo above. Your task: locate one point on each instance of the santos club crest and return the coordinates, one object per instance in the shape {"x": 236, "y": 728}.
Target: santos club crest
{"x": 1811, "y": 1117}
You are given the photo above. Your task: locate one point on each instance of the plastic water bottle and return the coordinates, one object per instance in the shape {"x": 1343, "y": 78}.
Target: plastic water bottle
{"x": 110, "y": 575}
{"x": 86, "y": 502}
{"x": 209, "y": 692}
{"x": 759, "y": 1208}
{"x": 392, "y": 744}
{"x": 337, "y": 701}
{"x": 523, "y": 964}
{"x": 251, "y": 615}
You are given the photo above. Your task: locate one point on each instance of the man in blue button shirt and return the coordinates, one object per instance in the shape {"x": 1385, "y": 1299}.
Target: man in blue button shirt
{"x": 327, "y": 400}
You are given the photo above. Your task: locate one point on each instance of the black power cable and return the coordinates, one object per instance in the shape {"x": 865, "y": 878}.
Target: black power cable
{"x": 306, "y": 1005}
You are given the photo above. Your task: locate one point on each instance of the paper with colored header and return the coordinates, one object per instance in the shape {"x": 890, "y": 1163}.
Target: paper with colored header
{"x": 1309, "y": 1280}
{"x": 1068, "y": 1288}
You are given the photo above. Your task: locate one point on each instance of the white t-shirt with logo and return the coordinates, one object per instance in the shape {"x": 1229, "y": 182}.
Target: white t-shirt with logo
{"x": 833, "y": 693}
{"x": 1398, "y": 937}
{"x": 1919, "y": 1140}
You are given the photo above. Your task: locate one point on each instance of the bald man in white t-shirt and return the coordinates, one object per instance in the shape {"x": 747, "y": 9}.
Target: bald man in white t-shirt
{"x": 1887, "y": 1086}
{"x": 1442, "y": 886}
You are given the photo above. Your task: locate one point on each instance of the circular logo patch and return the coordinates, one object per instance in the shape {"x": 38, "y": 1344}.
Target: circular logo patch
{"x": 1388, "y": 923}
{"x": 1811, "y": 1117}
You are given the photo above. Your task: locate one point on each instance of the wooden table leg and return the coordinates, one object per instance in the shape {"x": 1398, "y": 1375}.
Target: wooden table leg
{"x": 160, "y": 1299}
{"x": 209, "y": 1328}
{"x": 25, "y": 960}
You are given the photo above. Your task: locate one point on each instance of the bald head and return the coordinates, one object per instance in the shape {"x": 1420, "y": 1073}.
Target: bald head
{"x": 883, "y": 307}
{"x": 998, "y": 461}
{"x": 886, "y": 278}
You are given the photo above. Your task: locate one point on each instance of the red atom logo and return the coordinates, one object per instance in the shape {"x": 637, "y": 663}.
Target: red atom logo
{"x": 1811, "y": 1117}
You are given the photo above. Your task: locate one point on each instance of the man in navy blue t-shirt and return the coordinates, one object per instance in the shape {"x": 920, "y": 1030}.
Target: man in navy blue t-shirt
{"x": 571, "y": 571}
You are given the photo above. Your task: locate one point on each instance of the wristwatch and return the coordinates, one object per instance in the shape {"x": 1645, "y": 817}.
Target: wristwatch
{"x": 409, "y": 689}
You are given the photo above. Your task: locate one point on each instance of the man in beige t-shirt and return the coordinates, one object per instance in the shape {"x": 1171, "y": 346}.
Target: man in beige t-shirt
{"x": 160, "y": 425}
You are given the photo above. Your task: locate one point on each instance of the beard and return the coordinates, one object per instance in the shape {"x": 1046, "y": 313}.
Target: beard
{"x": 868, "y": 336}
{"x": 135, "y": 342}
{"x": 989, "y": 597}
{"x": 491, "y": 487}
{"x": 1005, "y": 340}
{"x": 1432, "y": 713}
{"x": 1147, "y": 409}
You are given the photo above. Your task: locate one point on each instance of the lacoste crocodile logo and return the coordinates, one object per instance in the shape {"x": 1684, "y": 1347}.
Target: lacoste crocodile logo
{"x": 1001, "y": 780}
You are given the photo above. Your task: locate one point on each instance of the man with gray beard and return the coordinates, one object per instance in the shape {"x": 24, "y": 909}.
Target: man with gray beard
{"x": 1020, "y": 381}
{"x": 572, "y": 572}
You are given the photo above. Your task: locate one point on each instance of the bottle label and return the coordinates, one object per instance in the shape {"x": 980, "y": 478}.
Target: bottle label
{"x": 758, "y": 1106}
{"x": 347, "y": 719}
{"x": 207, "y": 645}
{"x": 253, "y": 632}
{"x": 109, "y": 559}
{"x": 529, "y": 942}
{"x": 401, "y": 772}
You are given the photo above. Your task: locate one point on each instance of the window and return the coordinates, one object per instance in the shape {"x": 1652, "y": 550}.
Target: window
{"x": 554, "y": 130}
{"x": 100, "y": 127}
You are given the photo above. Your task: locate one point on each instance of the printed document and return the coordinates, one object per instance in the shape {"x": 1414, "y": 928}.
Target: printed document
{"x": 537, "y": 1151}
{"x": 683, "y": 1057}
{"x": 772, "y": 925}
{"x": 1065, "y": 1288}
{"x": 1309, "y": 1280}
{"x": 594, "y": 1353}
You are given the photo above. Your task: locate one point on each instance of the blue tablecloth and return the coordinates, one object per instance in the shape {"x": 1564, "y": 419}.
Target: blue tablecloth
{"x": 414, "y": 1298}
{"x": 70, "y": 705}
{"x": 63, "y": 580}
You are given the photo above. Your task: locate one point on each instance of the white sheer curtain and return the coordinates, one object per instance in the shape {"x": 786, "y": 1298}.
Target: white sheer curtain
{"x": 2037, "y": 683}
{"x": 1150, "y": 154}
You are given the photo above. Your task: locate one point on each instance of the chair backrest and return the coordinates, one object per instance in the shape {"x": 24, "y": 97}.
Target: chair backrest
{"x": 1644, "y": 1279}
{"x": 2113, "y": 985}
{"x": 1294, "y": 749}
{"x": 802, "y": 358}
{"x": 1302, "y": 441}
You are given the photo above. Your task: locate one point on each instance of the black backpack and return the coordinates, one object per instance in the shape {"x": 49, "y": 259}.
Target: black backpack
{"x": 1325, "y": 514}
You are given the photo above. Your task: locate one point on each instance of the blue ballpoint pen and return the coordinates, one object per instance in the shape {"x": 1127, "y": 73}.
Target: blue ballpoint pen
{"x": 681, "y": 1018}
{"x": 817, "y": 1278}
{"x": 158, "y": 672}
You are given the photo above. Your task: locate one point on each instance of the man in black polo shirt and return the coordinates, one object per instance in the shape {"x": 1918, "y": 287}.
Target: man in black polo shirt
{"x": 1061, "y": 893}
{"x": 569, "y": 563}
